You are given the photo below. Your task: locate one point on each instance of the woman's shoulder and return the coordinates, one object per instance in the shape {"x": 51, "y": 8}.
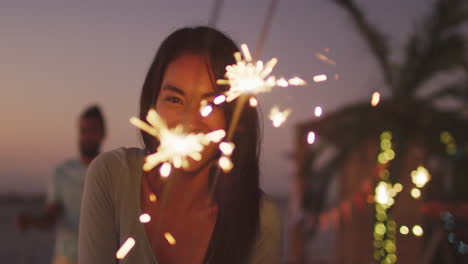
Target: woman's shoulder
{"x": 118, "y": 157}
{"x": 270, "y": 217}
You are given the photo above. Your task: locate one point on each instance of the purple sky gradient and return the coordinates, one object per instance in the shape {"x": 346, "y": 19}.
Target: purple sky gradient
{"x": 59, "y": 56}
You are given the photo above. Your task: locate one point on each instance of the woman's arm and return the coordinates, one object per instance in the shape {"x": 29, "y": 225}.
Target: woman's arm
{"x": 98, "y": 238}
{"x": 268, "y": 247}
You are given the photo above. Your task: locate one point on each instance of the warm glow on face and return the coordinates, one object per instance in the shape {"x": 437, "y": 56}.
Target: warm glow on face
{"x": 125, "y": 248}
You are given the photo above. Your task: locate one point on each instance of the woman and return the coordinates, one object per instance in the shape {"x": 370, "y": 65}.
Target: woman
{"x": 235, "y": 223}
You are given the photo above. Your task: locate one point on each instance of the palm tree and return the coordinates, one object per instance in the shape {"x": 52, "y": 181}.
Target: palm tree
{"x": 436, "y": 46}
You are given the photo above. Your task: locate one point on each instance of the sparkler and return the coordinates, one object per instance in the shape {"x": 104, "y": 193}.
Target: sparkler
{"x": 175, "y": 146}
{"x": 278, "y": 117}
{"x": 247, "y": 77}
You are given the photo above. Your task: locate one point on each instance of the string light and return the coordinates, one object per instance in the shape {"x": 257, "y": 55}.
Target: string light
{"x": 415, "y": 193}
{"x": 420, "y": 176}
{"x": 404, "y": 230}
{"x": 417, "y": 230}
{"x": 450, "y": 226}
{"x": 385, "y": 192}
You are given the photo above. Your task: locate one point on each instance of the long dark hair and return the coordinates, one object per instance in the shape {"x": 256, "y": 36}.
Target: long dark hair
{"x": 236, "y": 193}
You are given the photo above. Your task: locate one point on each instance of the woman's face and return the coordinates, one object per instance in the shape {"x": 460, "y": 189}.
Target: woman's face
{"x": 185, "y": 84}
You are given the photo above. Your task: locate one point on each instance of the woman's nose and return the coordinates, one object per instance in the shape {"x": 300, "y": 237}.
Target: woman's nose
{"x": 193, "y": 120}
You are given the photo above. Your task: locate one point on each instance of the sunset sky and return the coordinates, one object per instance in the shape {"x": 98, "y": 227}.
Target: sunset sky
{"x": 57, "y": 57}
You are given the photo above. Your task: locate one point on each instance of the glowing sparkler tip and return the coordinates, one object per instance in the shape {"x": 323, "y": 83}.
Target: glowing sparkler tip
{"x": 170, "y": 238}
{"x": 153, "y": 198}
{"x": 282, "y": 82}
{"x": 318, "y": 111}
{"x": 219, "y": 99}
{"x": 311, "y": 137}
{"x": 165, "y": 169}
{"x": 216, "y": 135}
{"x": 320, "y": 78}
{"x": 375, "y": 99}
{"x": 145, "y": 218}
{"x": 296, "y": 81}
{"x": 225, "y": 163}
{"x": 227, "y": 148}
{"x": 125, "y": 248}
{"x": 206, "y": 110}
{"x": 253, "y": 102}
{"x": 278, "y": 117}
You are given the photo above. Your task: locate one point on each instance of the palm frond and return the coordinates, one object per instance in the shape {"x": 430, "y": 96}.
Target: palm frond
{"x": 437, "y": 47}
{"x": 375, "y": 40}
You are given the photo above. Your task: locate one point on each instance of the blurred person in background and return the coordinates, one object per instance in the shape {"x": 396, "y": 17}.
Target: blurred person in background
{"x": 63, "y": 202}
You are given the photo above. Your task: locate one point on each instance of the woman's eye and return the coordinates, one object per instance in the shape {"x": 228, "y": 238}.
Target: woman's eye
{"x": 173, "y": 99}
